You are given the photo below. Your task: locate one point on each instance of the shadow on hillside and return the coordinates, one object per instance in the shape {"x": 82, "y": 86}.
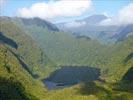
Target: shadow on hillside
{"x": 130, "y": 56}
{"x": 101, "y": 92}
{"x": 8, "y": 41}
{"x": 13, "y": 90}
{"x": 24, "y": 65}
{"x": 88, "y": 88}
{"x": 128, "y": 76}
{"x": 83, "y": 37}
{"x": 126, "y": 83}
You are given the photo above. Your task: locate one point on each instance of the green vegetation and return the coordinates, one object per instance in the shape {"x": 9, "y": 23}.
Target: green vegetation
{"x": 13, "y": 77}
{"x": 40, "y": 50}
{"x": 66, "y": 50}
{"x": 89, "y": 91}
{"x": 11, "y": 90}
{"x": 28, "y": 50}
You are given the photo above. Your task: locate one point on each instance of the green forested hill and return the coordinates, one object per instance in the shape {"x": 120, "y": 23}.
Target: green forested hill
{"x": 15, "y": 82}
{"x": 67, "y": 50}
{"x": 29, "y": 51}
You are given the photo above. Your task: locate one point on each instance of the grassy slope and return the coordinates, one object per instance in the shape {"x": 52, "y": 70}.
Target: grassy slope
{"x": 106, "y": 91}
{"x": 89, "y": 91}
{"x": 75, "y": 52}
{"x": 13, "y": 74}
{"x": 36, "y": 59}
{"x": 67, "y": 50}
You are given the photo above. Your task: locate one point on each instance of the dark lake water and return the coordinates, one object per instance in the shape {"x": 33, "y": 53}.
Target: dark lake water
{"x": 51, "y": 85}
{"x": 69, "y": 76}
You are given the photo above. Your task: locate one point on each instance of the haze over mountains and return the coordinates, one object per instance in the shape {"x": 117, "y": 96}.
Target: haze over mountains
{"x": 87, "y": 61}
{"x": 92, "y": 27}
{"x": 66, "y": 50}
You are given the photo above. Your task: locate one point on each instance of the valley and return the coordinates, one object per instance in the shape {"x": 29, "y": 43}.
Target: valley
{"x": 38, "y": 61}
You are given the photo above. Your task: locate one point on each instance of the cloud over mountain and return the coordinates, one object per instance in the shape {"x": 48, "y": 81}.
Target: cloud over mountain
{"x": 56, "y": 9}
{"x": 124, "y": 16}
{"x": 75, "y": 24}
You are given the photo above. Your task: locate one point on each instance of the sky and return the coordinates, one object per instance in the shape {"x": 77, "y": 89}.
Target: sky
{"x": 68, "y": 10}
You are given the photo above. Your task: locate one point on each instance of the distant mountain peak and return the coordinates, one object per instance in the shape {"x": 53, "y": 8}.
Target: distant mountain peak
{"x": 94, "y": 19}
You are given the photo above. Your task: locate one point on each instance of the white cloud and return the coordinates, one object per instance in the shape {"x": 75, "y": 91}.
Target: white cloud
{"x": 105, "y": 14}
{"x": 124, "y": 16}
{"x": 75, "y": 24}
{"x": 2, "y": 2}
{"x": 55, "y": 9}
